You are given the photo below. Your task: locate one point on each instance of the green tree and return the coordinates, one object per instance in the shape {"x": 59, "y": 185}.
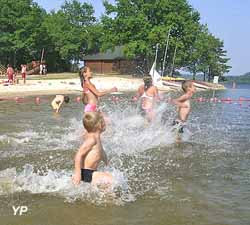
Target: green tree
{"x": 20, "y": 23}
{"x": 198, "y": 53}
{"x": 218, "y": 60}
{"x": 207, "y": 55}
{"x": 65, "y": 35}
{"x": 213, "y": 60}
{"x": 69, "y": 28}
{"x": 139, "y": 25}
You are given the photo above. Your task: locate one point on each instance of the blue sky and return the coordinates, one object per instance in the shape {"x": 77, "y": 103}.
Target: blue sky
{"x": 228, "y": 20}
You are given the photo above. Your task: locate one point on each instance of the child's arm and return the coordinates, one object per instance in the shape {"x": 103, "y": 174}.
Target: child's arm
{"x": 84, "y": 149}
{"x": 93, "y": 89}
{"x": 139, "y": 93}
{"x": 179, "y": 101}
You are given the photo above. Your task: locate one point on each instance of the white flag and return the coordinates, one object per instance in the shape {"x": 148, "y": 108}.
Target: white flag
{"x": 156, "y": 77}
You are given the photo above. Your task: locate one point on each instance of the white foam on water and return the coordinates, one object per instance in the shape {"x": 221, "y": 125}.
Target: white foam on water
{"x": 62, "y": 138}
{"x": 15, "y": 139}
{"x": 43, "y": 138}
{"x": 59, "y": 183}
{"x": 127, "y": 128}
{"x": 72, "y": 134}
{"x": 127, "y": 134}
{"x": 3, "y": 138}
{"x": 6, "y": 181}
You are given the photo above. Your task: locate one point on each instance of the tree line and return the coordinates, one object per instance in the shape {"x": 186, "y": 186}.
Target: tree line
{"x": 71, "y": 32}
{"x": 243, "y": 79}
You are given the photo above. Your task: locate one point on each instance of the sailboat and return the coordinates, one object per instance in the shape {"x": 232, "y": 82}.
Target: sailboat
{"x": 167, "y": 83}
{"x": 159, "y": 82}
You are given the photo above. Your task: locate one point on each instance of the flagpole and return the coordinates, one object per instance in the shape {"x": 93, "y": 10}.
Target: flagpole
{"x": 171, "y": 74}
{"x": 42, "y": 55}
{"x": 156, "y": 55}
{"x": 165, "y": 54}
{"x": 156, "y": 52}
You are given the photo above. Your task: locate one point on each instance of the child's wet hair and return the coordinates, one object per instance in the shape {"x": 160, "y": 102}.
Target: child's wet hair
{"x": 91, "y": 120}
{"x": 66, "y": 99}
{"x": 147, "y": 82}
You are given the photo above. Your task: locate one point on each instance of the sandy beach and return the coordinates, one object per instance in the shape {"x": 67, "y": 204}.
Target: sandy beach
{"x": 66, "y": 86}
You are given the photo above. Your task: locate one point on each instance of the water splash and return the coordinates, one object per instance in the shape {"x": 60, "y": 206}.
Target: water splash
{"x": 129, "y": 132}
{"x": 59, "y": 183}
{"x": 127, "y": 140}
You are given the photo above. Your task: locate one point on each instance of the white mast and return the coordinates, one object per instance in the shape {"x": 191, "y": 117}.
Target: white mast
{"x": 165, "y": 54}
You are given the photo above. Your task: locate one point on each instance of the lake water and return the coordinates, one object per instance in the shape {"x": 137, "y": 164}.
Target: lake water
{"x": 204, "y": 180}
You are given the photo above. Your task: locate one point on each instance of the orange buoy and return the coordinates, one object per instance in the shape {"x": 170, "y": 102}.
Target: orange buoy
{"x": 78, "y": 99}
{"x": 37, "y": 100}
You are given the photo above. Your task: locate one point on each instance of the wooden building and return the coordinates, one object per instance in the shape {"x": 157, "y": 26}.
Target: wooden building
{"x": 110, "y": 62}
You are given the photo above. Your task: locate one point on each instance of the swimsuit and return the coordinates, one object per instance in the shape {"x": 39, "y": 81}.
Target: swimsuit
{"x": 90, "y": 108}
{"x": 86, "y": 90}
{"x": 146, "y": 96}
{"x": 86, "y": 175}
{"x": 145, "y": 109}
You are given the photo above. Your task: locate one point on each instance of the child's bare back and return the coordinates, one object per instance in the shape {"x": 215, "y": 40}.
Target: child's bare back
{"x": 183, "y": 106}
{"x": 95, "y": 154}
{"x": 91, "y": 152}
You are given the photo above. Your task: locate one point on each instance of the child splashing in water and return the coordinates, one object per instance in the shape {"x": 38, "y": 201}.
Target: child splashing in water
{"x": 90, "y": 93}
{"x": 58, "y": 101}
{"x": 91, "y": 152}
{"x": 183, "y": 107}
{"x": 149, "y": 94}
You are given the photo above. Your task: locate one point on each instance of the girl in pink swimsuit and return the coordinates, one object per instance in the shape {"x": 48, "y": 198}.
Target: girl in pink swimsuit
{"x": 89, "y": 107}
{"x": 90, "y": 93}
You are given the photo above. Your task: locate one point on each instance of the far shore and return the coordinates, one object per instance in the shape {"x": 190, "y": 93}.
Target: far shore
{"x": 67, "y": 83}
{"x": 63, "y": 84}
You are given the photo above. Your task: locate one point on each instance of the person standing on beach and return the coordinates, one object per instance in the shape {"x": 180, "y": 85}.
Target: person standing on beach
{"x": 41, "y": 69}
{"x": 10, "y": 73}
{"x": 44, "y": 69}
{"x": 183, "y": 107}
{"x": 148, "y": 94}
{"x": 23, "y": 71}
{"x": 90, "y": 93}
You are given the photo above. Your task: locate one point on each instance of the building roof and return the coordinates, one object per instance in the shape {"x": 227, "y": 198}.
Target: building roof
{"x": 117, "y": 53}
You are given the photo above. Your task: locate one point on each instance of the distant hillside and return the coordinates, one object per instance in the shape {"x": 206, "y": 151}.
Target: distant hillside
{"x": 245, "y": 78}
